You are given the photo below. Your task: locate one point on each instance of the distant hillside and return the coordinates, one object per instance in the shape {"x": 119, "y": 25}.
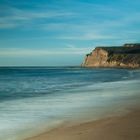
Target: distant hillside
{"x": 127, "y": 56}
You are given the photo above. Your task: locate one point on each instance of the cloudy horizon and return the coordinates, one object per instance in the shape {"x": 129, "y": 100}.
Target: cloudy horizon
{"x": 52, "y": 32}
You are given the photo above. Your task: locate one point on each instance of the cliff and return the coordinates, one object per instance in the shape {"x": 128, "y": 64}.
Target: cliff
{"x": 127, "y": 56}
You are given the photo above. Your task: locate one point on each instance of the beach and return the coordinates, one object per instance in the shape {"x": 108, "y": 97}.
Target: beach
{"x": 69, "y": 104}
{"x": 124, "y": 127}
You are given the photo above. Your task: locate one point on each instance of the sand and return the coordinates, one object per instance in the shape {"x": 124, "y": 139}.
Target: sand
{"x": 125, "y": 127}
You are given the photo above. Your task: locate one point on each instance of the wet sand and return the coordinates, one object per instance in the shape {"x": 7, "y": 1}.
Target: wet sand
{"x": 124, "y": 127}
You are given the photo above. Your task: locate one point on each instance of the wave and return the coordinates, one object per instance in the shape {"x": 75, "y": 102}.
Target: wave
{"x": 65, "y": 97}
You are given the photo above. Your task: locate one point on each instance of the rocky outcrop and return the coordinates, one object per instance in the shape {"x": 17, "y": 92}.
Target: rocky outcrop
{"x": 127, "y": 56}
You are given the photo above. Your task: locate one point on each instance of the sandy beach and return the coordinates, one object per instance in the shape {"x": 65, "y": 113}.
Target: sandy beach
{"x": 124, "y": 127}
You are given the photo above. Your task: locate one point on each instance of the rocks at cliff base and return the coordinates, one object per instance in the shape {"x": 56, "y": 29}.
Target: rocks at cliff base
{"x": 127, "y": 56}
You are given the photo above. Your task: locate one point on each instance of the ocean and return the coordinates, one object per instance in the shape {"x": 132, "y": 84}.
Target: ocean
{"x": 34, "y": 99}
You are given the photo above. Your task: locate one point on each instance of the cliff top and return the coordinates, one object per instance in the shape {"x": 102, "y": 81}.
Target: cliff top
{"x": 127, "y": 55}
{"x": 126, "y": 48}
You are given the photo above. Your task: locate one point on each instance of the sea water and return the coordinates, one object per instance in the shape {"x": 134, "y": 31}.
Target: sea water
{"x": 34, "y": 99}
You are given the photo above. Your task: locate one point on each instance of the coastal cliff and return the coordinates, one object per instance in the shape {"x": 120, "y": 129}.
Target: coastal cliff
{"x": 127, "y": 56}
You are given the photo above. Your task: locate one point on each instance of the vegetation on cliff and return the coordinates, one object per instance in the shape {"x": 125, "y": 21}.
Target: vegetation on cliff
{"x": 127, "y": 55}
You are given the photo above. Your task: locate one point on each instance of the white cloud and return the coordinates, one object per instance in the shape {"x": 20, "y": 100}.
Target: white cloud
{"x": 89, "y": 29}
{"x": 7, "y": 25}
{"x": 68, "y": 50}
{"x": 87, "y": 36}
{"x": 17, "y": 17}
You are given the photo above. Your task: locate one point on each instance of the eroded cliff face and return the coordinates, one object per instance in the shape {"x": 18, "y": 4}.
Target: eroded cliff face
{"x": 96, "y": 58}
{"x": 126, "y": 56}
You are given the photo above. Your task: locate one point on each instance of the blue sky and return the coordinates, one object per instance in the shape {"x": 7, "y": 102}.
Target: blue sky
{"x": 61, "y": 32}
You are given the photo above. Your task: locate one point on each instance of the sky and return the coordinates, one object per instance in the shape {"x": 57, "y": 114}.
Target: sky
{"x": 62, "y": 32}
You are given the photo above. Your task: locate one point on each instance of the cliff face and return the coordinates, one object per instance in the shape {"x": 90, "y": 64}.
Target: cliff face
{"x": 127, "y": 55}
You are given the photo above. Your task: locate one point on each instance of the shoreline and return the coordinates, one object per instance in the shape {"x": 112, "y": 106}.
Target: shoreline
{"x": 111, "y": 67}
{"x": 111, "y": 128}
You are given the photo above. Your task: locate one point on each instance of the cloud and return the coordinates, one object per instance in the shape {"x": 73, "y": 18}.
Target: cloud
{"x": 91, "y": 21}
{"x": 87, "y": 36}
{"x": 12, "y": 17}
{"x": 7, "y": 25}
{"x": 108, "y": 29}
{"x": 67, "y": 50}
{"x": 18, "y": 17}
